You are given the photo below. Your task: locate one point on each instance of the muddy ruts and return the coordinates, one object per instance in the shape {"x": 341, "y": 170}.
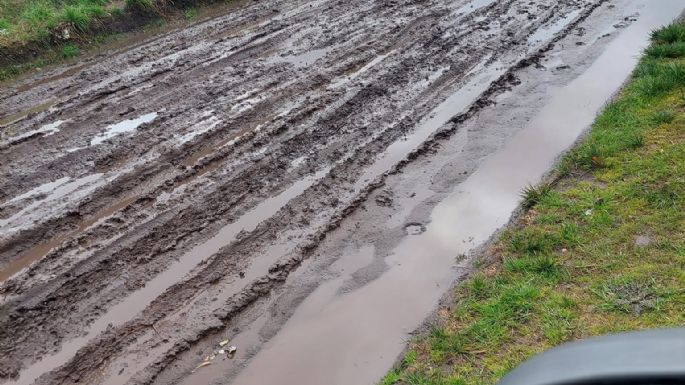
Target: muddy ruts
{"x": 294, "y": 112}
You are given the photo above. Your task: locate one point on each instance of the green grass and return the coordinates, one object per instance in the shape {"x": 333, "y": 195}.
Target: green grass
{"x": 190, "y": 13}
{"x": 62, "y": 29}
{"x": 70, "y": 51}
{"x": 570, "y": 267}
{"x": 674, "y": 33}
{"x": 23, "y": 21}
{"x": 35, "y": 20}
{"x": 142, "y": 5}
{"x": 532, "y": 195}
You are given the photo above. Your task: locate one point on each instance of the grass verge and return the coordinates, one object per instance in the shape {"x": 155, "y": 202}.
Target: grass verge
{"x": 40, "y": 20}
{"x": 603, "y": 250}
{"x": 35, "y": 33}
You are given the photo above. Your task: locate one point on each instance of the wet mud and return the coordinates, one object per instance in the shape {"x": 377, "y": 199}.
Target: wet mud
{"x": 271, "y": 174}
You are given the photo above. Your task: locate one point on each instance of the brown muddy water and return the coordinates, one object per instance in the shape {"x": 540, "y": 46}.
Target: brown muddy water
{"x": 296, "y": 177}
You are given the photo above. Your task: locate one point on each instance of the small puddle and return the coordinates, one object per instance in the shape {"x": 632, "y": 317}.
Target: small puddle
{"x": 348, "y": 78}
{"x": 140, "y": 299}
{"x": 344, "y": 338}
{"x": 41, "y": 250}
{"x": 548, "y": 32}
{"x": 57, "y": 193}
{"x": 304, "y": 59}
{"x": 124, "y": 127}
{"x": 199, "y": 128}
{"x": 45, "y": 130}
{"x": 42, "y": 189}
{"x": 472, "y": 6}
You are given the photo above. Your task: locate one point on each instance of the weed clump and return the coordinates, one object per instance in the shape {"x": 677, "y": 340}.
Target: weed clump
{"x": 532, "y": 195}
{"x": 628, "y": 296}
{"x": 69, "y": 51}
{"x": 666, "y": 51}
{"x": 672, "y": 33}
{"x": 190, "y": 13}
{"x": 140, "y": 5}
{"x": 663, "y": 117}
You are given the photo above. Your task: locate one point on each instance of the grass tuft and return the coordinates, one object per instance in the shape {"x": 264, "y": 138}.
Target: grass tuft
{"x": 69, "y": 51}
{"x": 669, "y": 51}
{"x": 663, "y": 117}
{"x": 542, "y": 267}
{"x": 76, "y": 16}
{"x": 660, "y": 79}
{"x": 190, "y": 13}
{"x": 628, "y": 296}
{"x": 140, "y": 5}
{"x": 672, "y": 33}
{"x": 533, "y": 195}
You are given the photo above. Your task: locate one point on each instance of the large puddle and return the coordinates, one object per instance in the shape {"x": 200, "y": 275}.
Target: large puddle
{"x": 355, "y": 337}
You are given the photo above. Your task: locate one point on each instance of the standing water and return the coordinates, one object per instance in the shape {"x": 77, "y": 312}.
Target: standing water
{"x": 344, "y": 338}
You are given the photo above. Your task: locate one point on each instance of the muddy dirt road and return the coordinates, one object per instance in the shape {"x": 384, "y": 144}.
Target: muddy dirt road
{"x": 297, "y": 176}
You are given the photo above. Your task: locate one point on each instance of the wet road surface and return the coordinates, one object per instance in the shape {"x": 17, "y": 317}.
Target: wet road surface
{"x": 297, "y": 177}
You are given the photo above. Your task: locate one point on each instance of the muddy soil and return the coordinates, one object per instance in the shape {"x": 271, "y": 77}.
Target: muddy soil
{"x": 209, "y": 182}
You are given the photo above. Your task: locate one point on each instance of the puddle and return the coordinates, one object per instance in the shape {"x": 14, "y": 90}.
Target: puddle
{"x": 304, "y": 59}
{"x": 439, "y": 116}
{"x": 41, "y": 250}
{"x": 42, "y": 189}
{"x": 57, "y": 193}
{"x": 323, "y": 341}
{"x": 554, "y": 61}
{"x": 200, "y": 128}
{"x": 139, "y": 300}
{"x": 472, "y": 6}
{"x": 547, "y": 33}
{"x": 124, "y": 127}
{"x": 346, "y": 79}
{"x": 248, "y": 340}
{"x": 606, "y": 32}
{"x": 45, "y": 130}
